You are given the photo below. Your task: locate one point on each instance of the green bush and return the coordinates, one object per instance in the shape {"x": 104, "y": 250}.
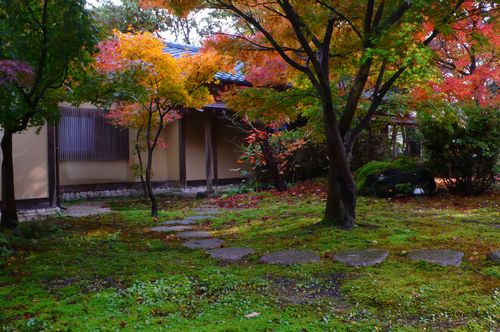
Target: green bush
{"x": 463, "y": 146}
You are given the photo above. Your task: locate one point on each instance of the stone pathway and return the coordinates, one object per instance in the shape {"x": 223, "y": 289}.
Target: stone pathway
{"x": 198, "y": 218}
{"x": 171, "y": 228}
{"x": 193, "y": 235}
{"x": 203, "y": 244}
{"x": 199, "y": 239}
{"x": 85, "y": 210}
{"x": 443, "y": 257}
{"x": 230, "y": 254}
{"x": 179, "y": 222}
{"x": 288, "y": 257}
{"x": 494, "y": 256}
{"x": 364, "y": 257}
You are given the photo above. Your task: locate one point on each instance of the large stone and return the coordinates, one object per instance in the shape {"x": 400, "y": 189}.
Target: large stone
{"x": 203, "y": 244}
{"x": 196, "y": 218}
{"x": 207, "y": 212}
{"x": 171, "y": 228}
{"x": 363, "y": 257}
{"x": 288, "y": 257}
{"x": 179, "y": 222}
{"x": 193, "y": 235}
{"x": 392, "y": 182}
{"x": 443, "y": 257}
{"x": 230, "y": 254}
{"x": 494, "y": 256}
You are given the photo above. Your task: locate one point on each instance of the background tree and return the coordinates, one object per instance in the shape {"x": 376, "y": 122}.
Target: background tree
{"x": 459, "y": 117}
{"x": 128, "y": 16}
{"x": 51, "y": 37}
{"x": 144, "y": 88}
{"x": 344, "y": 49}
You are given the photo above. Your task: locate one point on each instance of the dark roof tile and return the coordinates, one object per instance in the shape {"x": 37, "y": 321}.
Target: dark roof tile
{"x": 177, "y": 50}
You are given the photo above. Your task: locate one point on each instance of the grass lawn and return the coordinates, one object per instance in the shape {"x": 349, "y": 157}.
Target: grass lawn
{"x": 107, "y": 272}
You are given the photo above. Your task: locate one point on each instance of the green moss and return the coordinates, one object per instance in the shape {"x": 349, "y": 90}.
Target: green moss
{"x": 375, "y": 167}
{"x": 109, "y": 273}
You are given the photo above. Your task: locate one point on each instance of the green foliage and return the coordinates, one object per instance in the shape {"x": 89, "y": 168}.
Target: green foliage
{"x": 54, "y": 41}
{"x": 463, "y": 145}
{"x": 375, "y": 167}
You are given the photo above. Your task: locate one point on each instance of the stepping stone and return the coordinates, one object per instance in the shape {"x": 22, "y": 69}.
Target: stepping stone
{"x": 494, "y": 256}
{"x": 443, "y": 257}
{"x": 193, "y": 235}
{"x": 205, "y": 212}
{"x": 171, "y": 228}
{"x": 205, "y": 206}
{"x": 230, "y": 254}
{"x": 196, "y": 218}
{"x": 364, "y": 257}
{"x": 179, "y": 222}
{"x": 288, "y": 257}
{"x": 203, "y": 244}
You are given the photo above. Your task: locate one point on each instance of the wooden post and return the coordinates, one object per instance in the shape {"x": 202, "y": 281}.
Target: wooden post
{"x": 209, "y": 151}
{"x": 53, "y": 171}
{"x": 182, "y": 150}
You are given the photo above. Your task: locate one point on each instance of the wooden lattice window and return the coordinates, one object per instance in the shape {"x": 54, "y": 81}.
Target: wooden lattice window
{"x": 85, "y": 134}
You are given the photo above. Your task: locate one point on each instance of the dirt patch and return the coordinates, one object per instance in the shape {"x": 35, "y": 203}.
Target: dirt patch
{"x": 93, "y": 284}
{"x": 308, "y": 291}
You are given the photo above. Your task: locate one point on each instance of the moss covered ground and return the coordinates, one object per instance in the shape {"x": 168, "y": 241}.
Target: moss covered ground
{"x": 108, "y": 273}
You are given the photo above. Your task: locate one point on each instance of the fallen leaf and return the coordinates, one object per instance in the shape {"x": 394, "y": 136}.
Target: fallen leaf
{"x": 252, "y": 315}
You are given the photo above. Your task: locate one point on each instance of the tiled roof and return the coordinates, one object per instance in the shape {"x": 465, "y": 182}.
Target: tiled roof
{"x": 176, "y": 50}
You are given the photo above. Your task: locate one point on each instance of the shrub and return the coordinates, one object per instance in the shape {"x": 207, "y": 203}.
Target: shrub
{"x": 463, "y": 146}
{"x": 376, "y": 167}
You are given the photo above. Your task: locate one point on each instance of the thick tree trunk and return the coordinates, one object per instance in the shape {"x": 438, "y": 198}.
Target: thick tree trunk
{"x": 341, "y": 194}
{"x": 149, "y": 187}
{"x": 341, "y": 201}
{"x": 9, "y": 211}
{"x": 272, "y": 165}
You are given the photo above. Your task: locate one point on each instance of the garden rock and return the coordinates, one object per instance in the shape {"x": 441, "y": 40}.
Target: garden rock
{"x": 443, "y": 257}
{"x": 230, "y": 254}
{"x": 494, "y": 256}
{"x": 171, "y": 228}
{"x": 288, "y": 257}
{"x": 203, "y": 244}
{"x": 193, "y": 235}
{"x": 196, "y": 218}
{"x": 179, "y": 222}
{"x": 392, "y": 182}
{"x": 207, "y": 212}
{"x": 364, "y": 257}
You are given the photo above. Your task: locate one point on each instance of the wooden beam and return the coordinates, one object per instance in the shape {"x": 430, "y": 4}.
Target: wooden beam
{"x": 209, "y": 150}
{"x": 182, "y": 151}
{"x": 52, "y": 169}
{"x": 214, "y": 147}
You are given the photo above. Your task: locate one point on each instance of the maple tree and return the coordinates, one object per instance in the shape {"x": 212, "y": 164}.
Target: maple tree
{"x": 343, "y": 49}
{"x": 41, "y": 42}
{"x": 142, "y": 87}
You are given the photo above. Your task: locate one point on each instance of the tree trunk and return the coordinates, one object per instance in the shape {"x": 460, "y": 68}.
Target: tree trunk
{"x": 141, "y": 164}
{"x": 152, "y": 197}
{"x": 341, "y": 194}
{"x": 141, "y": 172}
{"x": 272, "y": 165}
{"x": 340, "y": 202}
{"x": 9, "y": 211}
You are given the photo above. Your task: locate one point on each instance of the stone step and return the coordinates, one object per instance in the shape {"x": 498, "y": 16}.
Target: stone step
{"x": 230, "y": 254}
{"x": 288, "y": 257}
{"x": 363, "y": 257}
{"x": 203, "y": 244}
